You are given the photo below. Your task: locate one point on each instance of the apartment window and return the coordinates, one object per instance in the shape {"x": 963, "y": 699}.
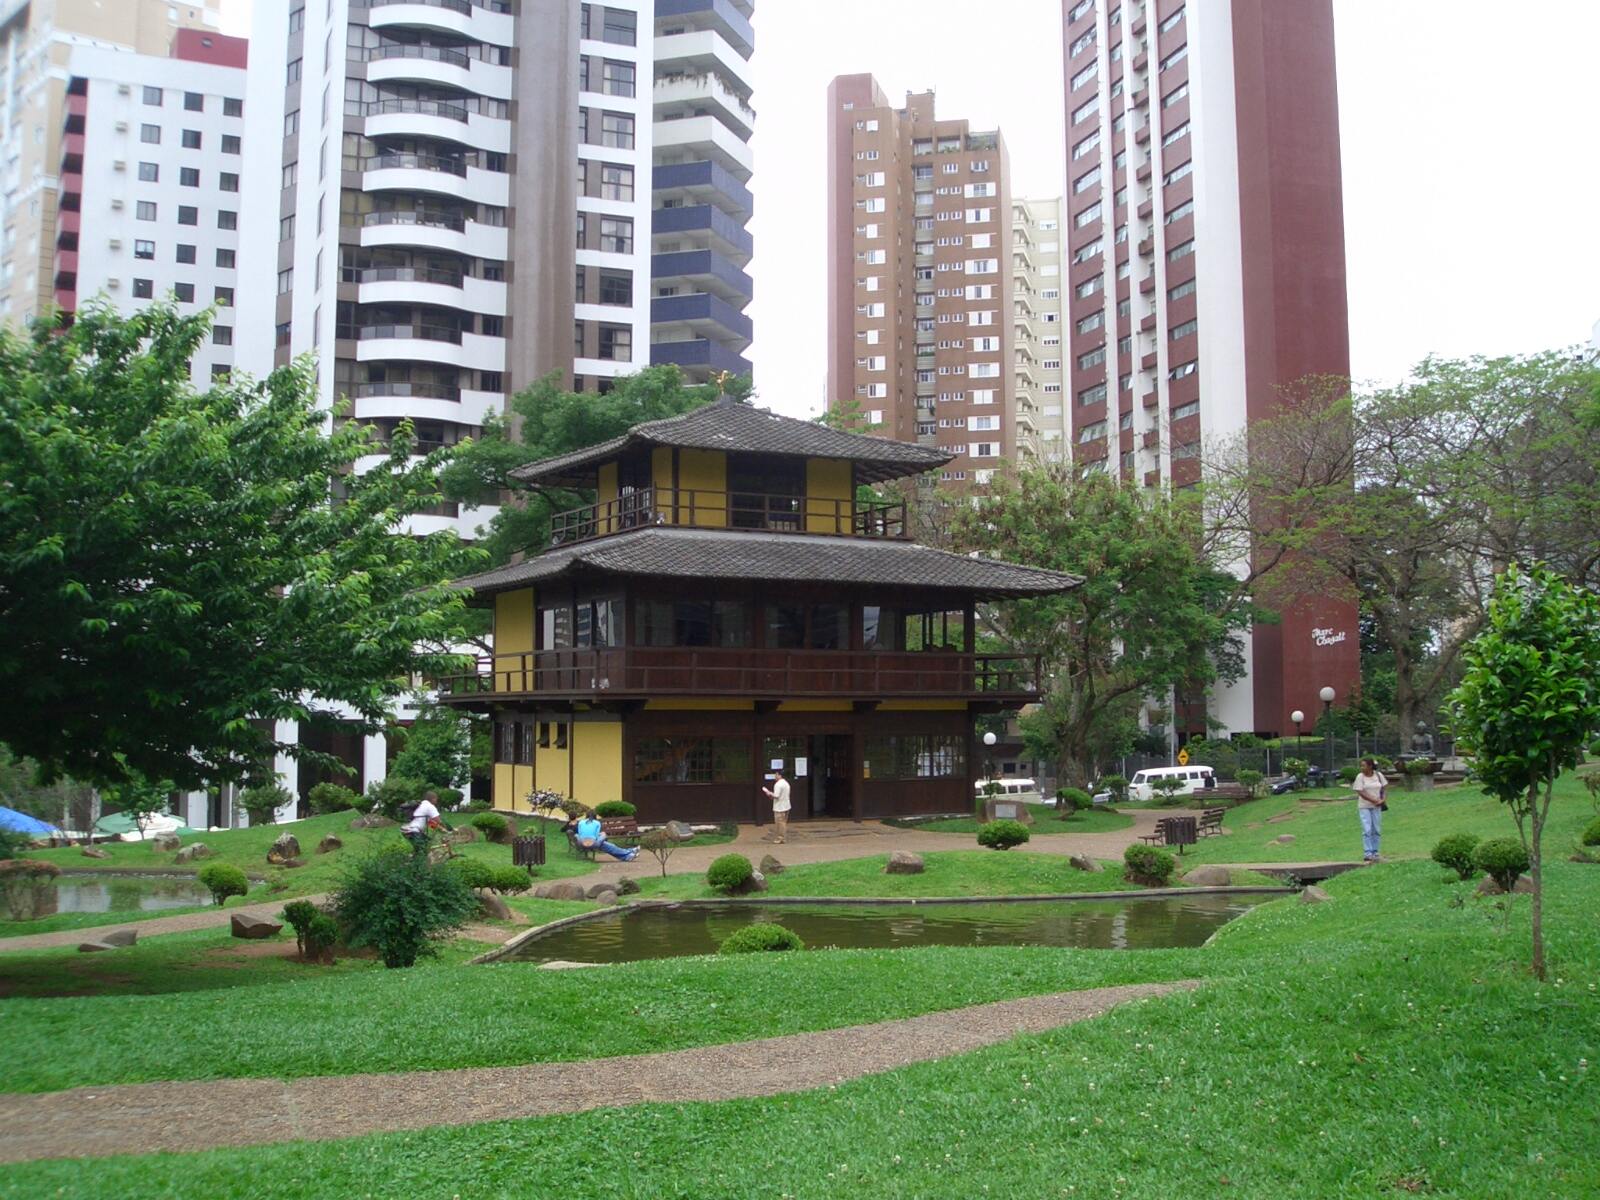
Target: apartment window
{"x": 1084, "y": 76}
{"x": 227, "y": 219}
{"x": 1171, "y": 21}
{"x": 194, "y": 102}
{"x": 225, "y": 259}
{"x": 188, "y": 214}
{"x": 297, "y": 22}
{"x": 291, "y": 123}
{"x": 222, "y": 335}
{"x": 1085, "y": 181}
{"x": 1177, "y": 173}
{"x": 1186, "y": 450}
{"x": 144, "y": 249}
{"x": 1087, "y": 145}
{"x": 1088, "y": 216}
{"x": 1187, "y": 329}
{"x": 617, "y": 78}
{"x": 1081, "y": 43}
{"x": 1176, "y": 57}
{"x": 983, "y": 424}
{"x": 616, "y": 287}
{"x": 289, "y": 175}
{"x": 286, "y": 228}
{"x": 1125, "y": 344}
{"x": 223, "y": 297}
{"x": 145, "y": 210}
{"x": 185, "y": 253}
{"x": 292, "y": 75}
{"x": 1182, "y": 131}
{"x": 1184, "y": 370}
{"x": 1182, "y": 211}
{"x": 1179, "y": 291}
{"x": 620, "y": 28}
{"x": 616, "y": 234}
{"x": 1092, "y": 433}
{"x": 1182, "y": 250}
{"x": 184, "y": 292}
{"x": 152, "y": 95}
{"x": 191, "y": 139}
{"x": 285, "y": 281}
{"x": 1126, "y": 382}
{"x": 1092, "y": 359}
{"x": 1186, "y": 410}
{"x": 616, "y": 182}
{"x": 616, "y": 342}
{"x": 1088, "y": 250}
{"x": 232, "y": 106}
{"x": 150, "y": 134}
{"x": 583, "y": 225}
{"x": 616, "y": 131}
{"x": 1078, "y": 9}
{"x": 228, "y": 181}
{"x": 1176, "y": 94}
{"x": 1089, "y": 286}
{"x": 149, "y": 172}
{"x": 188, "y": 176}
{"x": 230, "y": 143}
{"x": 1092, "y": 322}
{"x": 983, "y": 450}
{"x": 1092, "y": 395}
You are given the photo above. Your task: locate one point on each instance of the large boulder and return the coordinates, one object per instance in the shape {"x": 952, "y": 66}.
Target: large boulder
{"x": 119, "y": 937}
{"x": 605, "y": 899}
{"x": 461, "y": 835}
{"x": 191, "y": 852}
{"x": 1314, "y": 895}
{"x": 166, "y": 841}
{"x": 494, "y": 907}
{"x": 1488, "y": 887}
{"x": 756, "y": 883}
{"x": 329, "y": 844}
{"x": 286, "y": 847}
{"x": 627, "y": 886}
{"x": 1084, "y": 862}
{"x": 903, "y": 862}
{"x": 562, "y": 889}
{"x": 1208, "y": 877}
{"x": 95, "y": 852}
{"x": 680, "y": 831}
{"x": 254, "y": 928}
{"x": 770, "y": 865}
{"x": 596, "y": 888}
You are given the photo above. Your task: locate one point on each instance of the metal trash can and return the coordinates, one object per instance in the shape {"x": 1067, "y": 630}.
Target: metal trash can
{"x": 529, "y": 851}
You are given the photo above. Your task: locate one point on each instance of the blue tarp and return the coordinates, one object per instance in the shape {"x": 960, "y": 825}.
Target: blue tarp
{"x": 10, "y": 818}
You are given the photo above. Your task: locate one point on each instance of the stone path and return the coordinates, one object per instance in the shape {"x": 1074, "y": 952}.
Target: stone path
{"x": 186, "y": 1117}
{"x": 211, "y": 918}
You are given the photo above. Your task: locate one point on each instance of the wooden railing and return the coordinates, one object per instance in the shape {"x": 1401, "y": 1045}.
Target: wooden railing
{"x": 679, "y": 671}
{"x": 730, "y": 510}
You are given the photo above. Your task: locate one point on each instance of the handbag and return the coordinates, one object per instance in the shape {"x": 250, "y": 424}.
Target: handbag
{"x": 1383, "y": 799}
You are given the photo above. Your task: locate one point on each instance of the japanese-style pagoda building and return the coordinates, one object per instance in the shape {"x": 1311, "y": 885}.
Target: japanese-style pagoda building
{"x": 728, "y": 604}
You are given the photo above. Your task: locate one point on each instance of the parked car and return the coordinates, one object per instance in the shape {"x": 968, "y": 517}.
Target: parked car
{"x": 1315, "y": 777}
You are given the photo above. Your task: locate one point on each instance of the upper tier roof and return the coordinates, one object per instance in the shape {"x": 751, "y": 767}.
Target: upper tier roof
{"x": 730, "y": 425}
{"x": 679, "y": 552}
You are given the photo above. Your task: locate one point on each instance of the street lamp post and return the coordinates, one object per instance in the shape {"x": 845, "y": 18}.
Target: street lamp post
{"x": 988, "y": 745}
{"x": 1327, "y": 695}
{"x": 1299, "y": 719}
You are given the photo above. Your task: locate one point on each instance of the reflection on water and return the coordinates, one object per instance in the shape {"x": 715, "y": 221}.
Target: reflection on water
{"x": 1093, "y": 924}
{"x": 116, "y": 893}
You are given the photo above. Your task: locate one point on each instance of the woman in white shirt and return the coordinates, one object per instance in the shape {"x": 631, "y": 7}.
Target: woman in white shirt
{"x": 1369, "y": 787}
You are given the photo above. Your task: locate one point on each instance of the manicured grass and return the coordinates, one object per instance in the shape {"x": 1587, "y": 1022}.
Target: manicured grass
{"x": 1389, "y": 1042}
{"x": 1046, "y": 820}
{"x": 1329, "y": 830}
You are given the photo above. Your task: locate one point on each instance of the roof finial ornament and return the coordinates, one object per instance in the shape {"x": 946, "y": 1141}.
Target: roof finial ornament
{"x": 721, "y": 378}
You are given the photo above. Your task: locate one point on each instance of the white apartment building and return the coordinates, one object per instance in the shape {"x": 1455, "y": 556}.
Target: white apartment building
{"x": 1036, "y": 239}
{"x": 149, "y": 188}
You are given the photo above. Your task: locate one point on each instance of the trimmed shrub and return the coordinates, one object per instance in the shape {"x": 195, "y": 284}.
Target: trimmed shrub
{"x": 1591, "y": 834}
{"x": 493, "y": 826}
{"x": 1418, "y": 766}
{"x": 263, "y": 801}
{"x": 509, "y": 880}
{"x": 1299, "y": 768}
{"x": 299, "y": 914}
{"x": 1348, "y": 774}
{"x": 1149, "y": 865}
{"x": 449, "y": 798}
{"x": 1502, "y": 859}
{"x": 729, "y": 873}
{"x": 759, "y": 937}
{"x": 331, "y": 798}
{"x": 473, "y": 872}
{"x": 223, "y": 880}
{"x": 402, "y": 905}
{"x": 614, "y": 808}
{"x": 1455, "y": 852}
{"x": 320, "y": 937}
{"x": 389, "y": 796}
{"x": 1168, "y": 791}
{"x": 1002, "y": 835}
{"x": 1117, "y": 785}
{"x": 1251, "y": 781}
{"x": 1073, "y": 800}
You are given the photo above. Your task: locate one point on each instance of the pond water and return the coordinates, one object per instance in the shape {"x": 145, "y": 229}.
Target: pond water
{"x": 1095, "y": 924}
{"x": 116, "y": 893}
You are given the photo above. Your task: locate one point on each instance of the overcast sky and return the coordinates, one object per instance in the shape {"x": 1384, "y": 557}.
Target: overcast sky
{"x": 1471, "y": 165}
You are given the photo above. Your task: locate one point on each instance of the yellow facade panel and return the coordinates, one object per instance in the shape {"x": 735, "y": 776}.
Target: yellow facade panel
{"x": 829, "y": 496}
{"x": 596, "y": 761}
{"x": 702, "y": 488}
{"x": 923, "y": 706}
{"x": 606, "y": 491}
{"x": 513, "y": 634}
{"x": 814, "y": 706}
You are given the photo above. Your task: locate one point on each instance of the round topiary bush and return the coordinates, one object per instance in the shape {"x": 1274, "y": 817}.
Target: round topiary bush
{"x": 1591, "y": 834}
{"x": 509, "y": 880}
{"x": 473, "y": 872}
{"x": 331, "y": 798}
{"x": 1455, "y": 852}
{"x": 493, "y": 826}
{"x": 1002, "y": 835}
{"x": 1149, "y": 865}
{"x": 1073, "y": 800}
{"x": 320, "y": 936}
{"x": 223, "y": 880}
{"x": 729, "y": 873}
{"x": 299, "y": 914}
{"x": 1502, "y": 859}
{"x": 614, "y": 808}
{"x": 761, "y": 936}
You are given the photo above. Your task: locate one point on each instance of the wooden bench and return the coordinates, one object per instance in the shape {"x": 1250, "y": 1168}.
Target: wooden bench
{"x": 1211, "y": 821}
{"x": 612, "y": 829}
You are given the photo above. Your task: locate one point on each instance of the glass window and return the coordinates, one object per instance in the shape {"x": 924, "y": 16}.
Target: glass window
{"x": 185, "y": 252}
{"x": 144, "y": 249}
{"x": 620, "y": 28}
{"x": 692, "y": 760}
{"x": 188, "y": 214}
{"x": 616, "y": 235}
{"x": 616, "y": 182}
{"x": 616, "y": 130}
{"x": 786, "y": 626}
{"x": 191, "y": 139}
{"x": 830, "y": 627}
{"x": 149, "y": 172}
{"x": 143, "y": 289}
{"x": 194, "y": 102}
{"x": 184, "y": 292}
{"x": 555, "y": 627}
{"x": 915, "y": 756}
{"x": 232, "y": 106}
{"x": 152, "y": 95}
{"x": 881, "y": 628}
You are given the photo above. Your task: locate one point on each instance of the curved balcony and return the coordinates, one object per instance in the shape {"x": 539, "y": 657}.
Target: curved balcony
{"x": 474, "y": 21}
{"x": 706, "y": 137}
{"x": 437, "y": 120}
{"x": 423, "y": 285}
{"x": 413, "y": 172}
{"x": 430, "y": 344}
{"x": 438, "y": 65}
{"x": 434, "y": 231}
{"x": 416, "y": 405}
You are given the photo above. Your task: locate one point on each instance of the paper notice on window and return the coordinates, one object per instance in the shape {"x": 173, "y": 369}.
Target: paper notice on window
{"x": 777, "y": 764}
{"x": 799, "y": 767}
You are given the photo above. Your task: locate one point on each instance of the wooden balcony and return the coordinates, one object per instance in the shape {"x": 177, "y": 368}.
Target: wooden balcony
{"x": 729, "y": 510}
{"x": 645, "y": 672}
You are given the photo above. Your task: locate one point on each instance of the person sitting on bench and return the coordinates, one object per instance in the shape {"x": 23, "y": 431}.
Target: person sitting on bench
{"x": 591, "y": 836}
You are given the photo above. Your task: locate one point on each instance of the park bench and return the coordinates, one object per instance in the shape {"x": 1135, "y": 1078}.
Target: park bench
{"x": 616, "y": 830}
{"x": 1171, "y": 831}
{"x": 1235, "y": 792}
{"x": 1211, "y": 821}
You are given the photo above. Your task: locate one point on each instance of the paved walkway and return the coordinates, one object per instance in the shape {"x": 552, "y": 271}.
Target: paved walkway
{"x": 187, "y": 1117}
{"x": 209, "y": 919}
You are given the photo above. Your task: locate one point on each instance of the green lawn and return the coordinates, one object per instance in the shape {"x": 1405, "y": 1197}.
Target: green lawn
{"x": 1389, "y": 1042}
{"x": 1329, "y": 830}
{"x": 1046, "y": 820}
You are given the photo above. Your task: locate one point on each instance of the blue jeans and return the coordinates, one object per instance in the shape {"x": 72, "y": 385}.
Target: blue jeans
{"x": 1371, "y": 831}
{"x": 614, "y": 851}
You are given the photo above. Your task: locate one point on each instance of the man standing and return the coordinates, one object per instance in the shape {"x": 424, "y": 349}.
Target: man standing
{"x": 778, "y": 793}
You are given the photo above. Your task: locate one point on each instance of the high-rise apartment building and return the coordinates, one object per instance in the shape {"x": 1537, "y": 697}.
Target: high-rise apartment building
{"x": 36, "y": 39}
{"x": 1205, "y": 269}
{"x": 147, "y": 204}
{"x": 1036, "y": 286}
{"x": 919, "y": 284}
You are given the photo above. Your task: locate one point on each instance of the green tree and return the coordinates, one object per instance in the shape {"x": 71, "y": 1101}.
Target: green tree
{"x": 543, "y": 421}
{"x": 173, "y": 575}
{"x": 138, "y": 799}
{"x": 1530, "y": 701}
{"x": 1147, "y": 616}
{"x": 437, "y": 749}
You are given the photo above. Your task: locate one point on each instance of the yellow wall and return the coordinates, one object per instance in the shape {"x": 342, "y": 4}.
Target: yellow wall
{"x": 696, "y": 705}
{"x": 705, "y": 472}
{"x": 923, "y": 706}
{"x": 605, "y": 493}
{"x": 513, "y": 634}
{"x": 814, "y": 706}
{"x": 828, "y": 480}
{"x": 511, "y": 787}
{"x": 550, "y": 765}
{"x": 661, "y": 467}
{"x": 597, "y": 761}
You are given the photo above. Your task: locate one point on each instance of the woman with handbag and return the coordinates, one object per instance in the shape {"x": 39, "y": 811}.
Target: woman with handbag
{"x": 1370, "y": 788}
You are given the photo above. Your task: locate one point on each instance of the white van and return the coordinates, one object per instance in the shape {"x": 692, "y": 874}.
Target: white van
{"x": 1012, "y": 787}
{"x": 1193, "y": 777}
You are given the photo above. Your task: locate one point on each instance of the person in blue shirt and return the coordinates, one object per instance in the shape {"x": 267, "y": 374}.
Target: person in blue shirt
{"x": 591, "y": 837}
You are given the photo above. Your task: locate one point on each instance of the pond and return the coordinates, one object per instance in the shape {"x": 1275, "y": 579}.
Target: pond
{"x": 1126, "y": 924}
{"x": 115, "y": 893}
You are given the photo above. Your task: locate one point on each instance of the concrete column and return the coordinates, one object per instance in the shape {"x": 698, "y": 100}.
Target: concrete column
{"x": 287, "y": 768}
{"x": 196, "y": 809}
{"x": 374, "y": 760}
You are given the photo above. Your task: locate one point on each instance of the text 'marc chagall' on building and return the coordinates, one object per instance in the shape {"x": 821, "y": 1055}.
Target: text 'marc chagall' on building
{"x": 728, "y": 604}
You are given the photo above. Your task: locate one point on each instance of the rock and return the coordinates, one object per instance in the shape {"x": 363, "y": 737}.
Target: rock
{"x": 461, "y": 835}
{"x": 371, "y": 820}
{"x": 559, "y": 964}
{"x": 1283, "y": 839}
{"x": 680, "y": 830}
{"x": 564, "y": 889}
{"x": 770, "y": 865}
{"x": 1084, "y": 862}
{"x": 756, "y": 883}
{"x": 255, "y": 928}
{"x": 94, "y": 852}
{"x": 1313, "y": 895}
{"x": 494, "y": 907}
{"x": 191, "y": 852}
{"x": 292, "y": 863}
{"x": 605, "y": 899}
{"x": 120, "y": 937}
{"x": 1488, "y": 887}
{"x": 91, "y": 947}
{"x": 286, "y": 847}
{"x": 903, "y": 862}
{"x": 627, "y": 886}
{"x": 596, "y": 888}
{"x": 329, "y": 844}
{"x": 166, "y": 841}
{"x": 1208, "y": 877}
